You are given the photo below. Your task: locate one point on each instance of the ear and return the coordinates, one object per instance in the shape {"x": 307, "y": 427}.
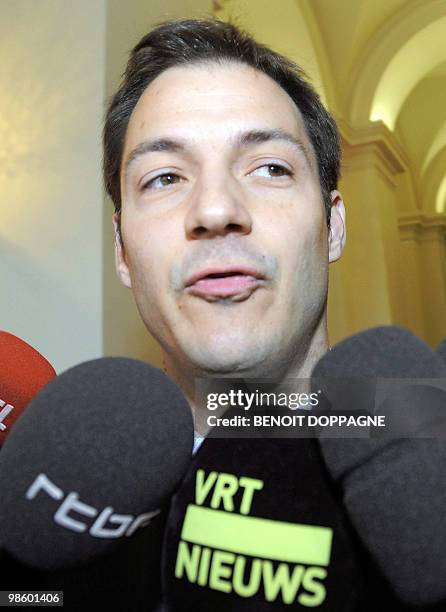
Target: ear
{"x": 336, "y": 238}
{"x": 122, "y": 269}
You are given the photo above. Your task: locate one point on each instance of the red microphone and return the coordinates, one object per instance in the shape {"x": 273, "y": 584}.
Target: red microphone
{"x": 23, "y": 372}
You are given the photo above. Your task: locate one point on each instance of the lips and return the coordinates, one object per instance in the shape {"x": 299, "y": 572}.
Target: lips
{"x": 236, "y": 282}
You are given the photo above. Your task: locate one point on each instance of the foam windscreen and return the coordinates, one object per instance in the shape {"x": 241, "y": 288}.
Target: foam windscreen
{"x": 99, "y": 450}
{"x": 23, "y": 373}
{"x": 394, "y": 488}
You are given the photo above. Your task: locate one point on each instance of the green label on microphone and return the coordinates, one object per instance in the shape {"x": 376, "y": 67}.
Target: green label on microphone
{"x": 257, "y": 537}
{"x": 232, "y": 552}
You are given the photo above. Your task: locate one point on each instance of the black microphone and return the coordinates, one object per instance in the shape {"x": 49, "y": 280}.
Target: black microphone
{"x": 258, "y": 524}
{"x": 90, "y": 464}
{"x": 393, "y": 488}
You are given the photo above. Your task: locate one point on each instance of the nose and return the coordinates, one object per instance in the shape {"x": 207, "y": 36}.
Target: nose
{"x": 217, "y": 209}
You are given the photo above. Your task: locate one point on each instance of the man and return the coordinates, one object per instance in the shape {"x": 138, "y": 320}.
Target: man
{"x": 222, "y": 165}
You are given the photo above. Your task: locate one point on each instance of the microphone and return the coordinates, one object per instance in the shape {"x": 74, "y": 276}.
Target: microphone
{"x": 394, "y": 489}
{"x": 94, "y": 458}
{"x": 258, "y": 524}
{"x": 23, "y": 372}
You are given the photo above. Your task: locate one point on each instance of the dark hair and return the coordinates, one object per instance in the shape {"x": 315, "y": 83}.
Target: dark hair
{"x": 192, "y": 41}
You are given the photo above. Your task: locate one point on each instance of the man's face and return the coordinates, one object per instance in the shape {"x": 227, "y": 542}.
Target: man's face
{"x": 223, "y": 225}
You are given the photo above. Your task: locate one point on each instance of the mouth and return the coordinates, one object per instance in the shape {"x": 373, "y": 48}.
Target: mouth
{"x": 235, "y": 282}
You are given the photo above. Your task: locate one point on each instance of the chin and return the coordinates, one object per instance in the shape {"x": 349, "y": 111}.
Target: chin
{"x": 229, "y": 360}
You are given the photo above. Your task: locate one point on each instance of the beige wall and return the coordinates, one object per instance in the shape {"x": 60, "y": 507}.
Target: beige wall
{"x": 52, "y": 56}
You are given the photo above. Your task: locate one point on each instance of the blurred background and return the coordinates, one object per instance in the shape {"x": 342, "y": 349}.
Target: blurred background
{"x": 379, "y": 66}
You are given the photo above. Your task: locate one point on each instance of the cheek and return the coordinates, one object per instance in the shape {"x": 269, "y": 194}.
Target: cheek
{"x": 296, "y": 232}
{"x": 300, "y": 243}
{"x": 144, "y": 257}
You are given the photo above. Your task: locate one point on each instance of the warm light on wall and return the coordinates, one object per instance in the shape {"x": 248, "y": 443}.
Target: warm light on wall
{"x": 440, "y": 202}
{"x": 31, "y": 100}
{"x": 380, "y": 114}
{"x": 408, "y": 66}
{"x": 437, "y": 145}
{"x": 45, "y": 102}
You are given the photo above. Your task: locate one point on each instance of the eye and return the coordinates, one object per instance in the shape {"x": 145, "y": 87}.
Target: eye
{"x": 161, "y": 181}
{"x": 271, "y": 171}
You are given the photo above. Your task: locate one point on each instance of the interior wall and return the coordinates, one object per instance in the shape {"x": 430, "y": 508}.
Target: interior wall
{"x": 52, "y": 88}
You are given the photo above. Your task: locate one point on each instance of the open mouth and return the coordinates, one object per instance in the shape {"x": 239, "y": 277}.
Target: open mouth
{"x": 225, "y": 283}
{"x": 223, "y": 274}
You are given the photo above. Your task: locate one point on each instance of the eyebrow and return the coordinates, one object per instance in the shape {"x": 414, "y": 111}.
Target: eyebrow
{"x": 253, "y": 137}
{"x": 241, "y": 140}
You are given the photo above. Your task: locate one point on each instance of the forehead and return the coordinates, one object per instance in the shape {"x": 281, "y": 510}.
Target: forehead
{"x": 208, "y": 102}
